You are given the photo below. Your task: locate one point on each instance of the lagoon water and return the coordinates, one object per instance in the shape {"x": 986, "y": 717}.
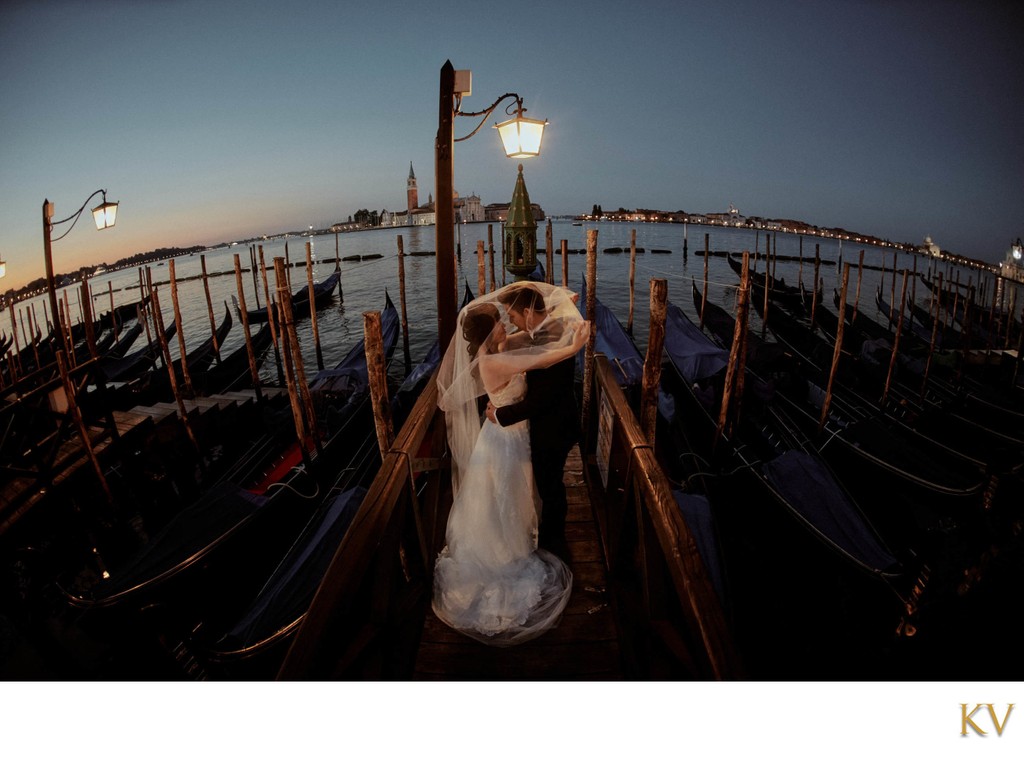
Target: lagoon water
{"x": 363, "y": 283}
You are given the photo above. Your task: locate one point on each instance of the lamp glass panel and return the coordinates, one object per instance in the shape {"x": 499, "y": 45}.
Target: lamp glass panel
{"x": 105, "y": 215}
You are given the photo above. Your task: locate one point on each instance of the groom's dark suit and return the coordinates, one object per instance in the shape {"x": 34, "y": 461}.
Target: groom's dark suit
{"x": 550, "y": 406}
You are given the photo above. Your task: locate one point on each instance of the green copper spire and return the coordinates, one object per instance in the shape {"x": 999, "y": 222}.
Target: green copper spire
{"x": 520, "y": 232}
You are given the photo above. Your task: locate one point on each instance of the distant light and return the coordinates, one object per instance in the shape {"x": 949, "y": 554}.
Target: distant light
{"x": 105, "y": 214}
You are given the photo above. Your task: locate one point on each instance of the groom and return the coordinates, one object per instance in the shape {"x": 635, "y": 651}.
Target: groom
{"x": 550, "y": 407}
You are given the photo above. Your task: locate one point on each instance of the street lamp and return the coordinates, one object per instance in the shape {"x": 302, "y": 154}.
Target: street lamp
{"x": 105, "y": 214}
{"x": 520, "y": 137}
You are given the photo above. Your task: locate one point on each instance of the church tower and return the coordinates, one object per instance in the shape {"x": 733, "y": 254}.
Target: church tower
{"x": 412, "y": 196}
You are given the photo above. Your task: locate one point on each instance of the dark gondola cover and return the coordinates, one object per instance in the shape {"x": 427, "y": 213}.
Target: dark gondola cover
{"x": 289, "y": 591}
{"x": 614, "y": 342}
{"x": 812, "y": 492}
{"x": 339, "y": 391}
{"x": 184, "y": 541}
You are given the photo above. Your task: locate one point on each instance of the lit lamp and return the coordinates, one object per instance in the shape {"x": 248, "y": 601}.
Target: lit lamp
{"x": 104, "y": 215}
{"x": 520, "y": 138}
{"x": 1018, "y": 251}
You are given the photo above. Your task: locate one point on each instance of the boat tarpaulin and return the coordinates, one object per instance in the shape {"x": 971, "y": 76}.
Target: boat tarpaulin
{"x": 809, "y": 488}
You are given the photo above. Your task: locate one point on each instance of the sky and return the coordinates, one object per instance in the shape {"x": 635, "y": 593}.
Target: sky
{"x": 214, "y": 121}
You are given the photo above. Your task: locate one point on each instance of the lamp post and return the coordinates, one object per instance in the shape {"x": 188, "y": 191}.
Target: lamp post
{"x": 521, "y": 137}
{"x": 104, "y": 215}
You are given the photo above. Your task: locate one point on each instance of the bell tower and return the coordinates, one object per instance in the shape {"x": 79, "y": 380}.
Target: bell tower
{"x": 412, "y": 196}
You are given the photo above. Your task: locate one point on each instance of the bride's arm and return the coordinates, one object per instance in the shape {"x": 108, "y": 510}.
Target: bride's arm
{"x": 496, "y": 369}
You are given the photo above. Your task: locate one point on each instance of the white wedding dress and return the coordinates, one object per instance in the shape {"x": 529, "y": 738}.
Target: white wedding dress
{"x": 491, "y": 582}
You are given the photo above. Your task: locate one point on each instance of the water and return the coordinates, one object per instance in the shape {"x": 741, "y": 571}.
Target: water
{"x": 363, "y": 283}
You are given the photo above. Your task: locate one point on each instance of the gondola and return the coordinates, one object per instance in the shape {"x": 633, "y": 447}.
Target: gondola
{"x": 252, "y": 643}
{"x": 322, "y": 294}
{"x": 855, "y": 432}
{"x": 338, "y": 393}
{"x": 263, "y": 499}
{"x": 232, "y": 371}
{"x": 615, "y": 343}
{"x": 154, "y": 385}
{"x": 797, "y": 549}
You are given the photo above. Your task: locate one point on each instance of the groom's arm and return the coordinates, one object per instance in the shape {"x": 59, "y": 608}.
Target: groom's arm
{"x": 540, "y": 395}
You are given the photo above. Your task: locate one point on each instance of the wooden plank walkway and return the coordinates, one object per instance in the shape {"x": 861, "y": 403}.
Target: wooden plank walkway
{"x": 584, "y": 646}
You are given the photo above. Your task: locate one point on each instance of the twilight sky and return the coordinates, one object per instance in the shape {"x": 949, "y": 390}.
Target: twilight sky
{"x": 212, "y": 120}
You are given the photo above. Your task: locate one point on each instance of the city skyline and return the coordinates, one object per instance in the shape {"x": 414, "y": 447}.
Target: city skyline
{"x": 225, "y": 121}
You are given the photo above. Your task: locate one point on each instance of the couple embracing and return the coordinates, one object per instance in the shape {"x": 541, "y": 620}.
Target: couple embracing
{"x": 498, "y": 578}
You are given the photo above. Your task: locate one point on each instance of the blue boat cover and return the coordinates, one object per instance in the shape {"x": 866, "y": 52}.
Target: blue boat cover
{"x": 288, "y": 593}
{"x": 614, "y": 342}
{"x": 348, "y": 382}
{"x": 811, "y": 490}
{"x": 690, "y": 350}
{"x": 697, "y": 513}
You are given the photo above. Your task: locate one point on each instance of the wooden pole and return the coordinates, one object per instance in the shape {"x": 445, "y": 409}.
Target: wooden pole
{"x": 83, "y": 431}
{"x": 165, "y": 351}
{"x": 254, "y": 371}
{"x": 739, "y": 330}
{"x": 704, "y": 292}
{"x": 856, "y": 300}
{"x": 895, "y": 342}
{"x": 294, "y": 349}
{"x": 378, "y": 376}
{"x": 401, "y": 300}
{"x": 814, "y": 297}
{"x": 892, "y": 291}
{"x": 838, "y": 352}
{"x": 113, "y": 316}
{"x": 632, "y": 278}
{"x": 549, "y": 251}
{"x": 90, "y": 328}
{"x": 935, "y": 331}
{"x": 66, "y": 322}
{"x": 764, "y": 312}
{"x": 481, "y": 269}
{"x": 490, "y": 254}
{"x": 186, "y": 375}
{"x": 800, "y": 270}
{"x": 775, "y": 253}
{"x": 652, "y": 361}
{"x": 272, "y": 319}
{"x": 565, "y": 263}
{"x": 32, "y": 328}
{"x": 209, "y": 307}
{"x": 444, "y": 260}
{"x": 312, "y": 306}
{"x": 588, "y": 363}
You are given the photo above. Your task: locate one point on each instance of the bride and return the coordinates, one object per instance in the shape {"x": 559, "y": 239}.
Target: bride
{"x": 491, "y": 582}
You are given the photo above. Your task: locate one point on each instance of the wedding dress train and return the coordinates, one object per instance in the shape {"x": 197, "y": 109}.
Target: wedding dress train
{"x": 491, "y": 582}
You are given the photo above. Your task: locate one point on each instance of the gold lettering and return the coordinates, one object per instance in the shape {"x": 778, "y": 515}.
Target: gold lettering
{"x": 995, "y": 720}
{"x": 965, "y": 719}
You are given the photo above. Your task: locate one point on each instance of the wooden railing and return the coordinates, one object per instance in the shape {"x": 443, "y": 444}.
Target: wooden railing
{"x": 367, "y": 614}
{"x": 672, "y": 617}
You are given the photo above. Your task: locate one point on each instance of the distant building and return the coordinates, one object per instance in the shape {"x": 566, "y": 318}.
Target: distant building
{"x": 412, "y": 195}
{"x": 499, "y": 212}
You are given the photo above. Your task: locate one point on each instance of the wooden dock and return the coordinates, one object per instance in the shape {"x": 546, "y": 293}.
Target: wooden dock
{"x": 584, "y": 646}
